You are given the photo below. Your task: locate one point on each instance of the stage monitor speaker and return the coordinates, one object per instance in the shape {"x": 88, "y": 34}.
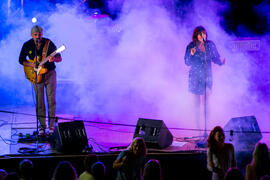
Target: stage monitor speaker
{"x": 70, "y": 137}
{"x": 243, "y": 133}
{"x": 154, "y": 132}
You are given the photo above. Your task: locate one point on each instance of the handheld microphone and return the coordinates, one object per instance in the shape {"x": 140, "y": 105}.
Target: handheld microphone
{"x": 37, "y": 40}
{"x": 204, "y": 39}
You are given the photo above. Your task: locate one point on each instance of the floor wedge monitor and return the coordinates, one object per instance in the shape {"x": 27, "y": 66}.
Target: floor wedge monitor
{"x": 154, "y": 132}
{"x": 70, "y": 137}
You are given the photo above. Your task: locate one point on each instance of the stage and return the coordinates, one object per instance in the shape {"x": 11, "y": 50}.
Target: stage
{"x": 124, "y": 61}
{"x": 185, "y": 157}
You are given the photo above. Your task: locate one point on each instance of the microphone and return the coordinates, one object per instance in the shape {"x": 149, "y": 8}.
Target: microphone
{"x": 204, "y": 39}
{"x": 37, "y": 40}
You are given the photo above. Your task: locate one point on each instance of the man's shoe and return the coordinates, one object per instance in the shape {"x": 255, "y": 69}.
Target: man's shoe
{"x": 51, "y": 131}
{"x": 41, "y": 132}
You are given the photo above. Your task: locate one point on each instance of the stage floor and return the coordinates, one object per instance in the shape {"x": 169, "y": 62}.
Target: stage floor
{"x": 19, "y": 126}
{"x": 107, "y": 139}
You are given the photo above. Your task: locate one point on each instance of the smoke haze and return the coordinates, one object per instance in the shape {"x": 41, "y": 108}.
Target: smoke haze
{"x": 133, "y": 66}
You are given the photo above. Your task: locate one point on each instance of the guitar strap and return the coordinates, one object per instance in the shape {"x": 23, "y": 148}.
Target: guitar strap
{"x": 45, "y": 49}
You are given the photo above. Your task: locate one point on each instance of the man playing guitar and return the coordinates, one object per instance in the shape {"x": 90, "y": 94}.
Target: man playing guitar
{"x": 37, "y": 49}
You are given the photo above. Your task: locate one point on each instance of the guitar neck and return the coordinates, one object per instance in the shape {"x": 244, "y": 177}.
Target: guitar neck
{"x": 47, "y": 58}
{"x": 62, "y": 48}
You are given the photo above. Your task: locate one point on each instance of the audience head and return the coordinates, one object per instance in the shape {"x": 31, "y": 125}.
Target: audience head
{"x": 138, "y": 147}
{"x": 266, "y": 177}
{"x": 98, "y": 170}
{"x": 261, "y": 159}
{"x": 26, "y": 169}
{"x": 260, "y": 152}
{"x": 234, "y": 174}
{"x": 3, "y": 174}
{"x": 215, "y": 137}
{"x": 12, "y": 176}
{"x": 152, "y": 170}
{"x": 89, "y": 160}
{"x": 64, "y": 171}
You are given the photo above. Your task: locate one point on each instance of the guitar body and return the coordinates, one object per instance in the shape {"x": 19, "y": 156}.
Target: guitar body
{"x": 30, "y": 73}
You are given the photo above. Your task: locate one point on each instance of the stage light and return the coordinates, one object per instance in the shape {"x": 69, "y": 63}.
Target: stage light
{"x": 34, "y": 20}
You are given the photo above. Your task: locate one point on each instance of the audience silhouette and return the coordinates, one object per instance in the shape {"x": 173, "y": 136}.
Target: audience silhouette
{"x": 234, "y": 173}
{"x": 26, "y": 169}
{"x": 98, "y": 170}
{"x": 152, "y": 170}
{"x": 64, "y": 171}
{"x": 129, "y": 163}
{"x": 259, "y": 165}
{"x": 89, "y": 160}
{"x": 220, "y": 155}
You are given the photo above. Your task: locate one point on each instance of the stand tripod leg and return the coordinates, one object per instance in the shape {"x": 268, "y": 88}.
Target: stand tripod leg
{"x": 205, "y": 114}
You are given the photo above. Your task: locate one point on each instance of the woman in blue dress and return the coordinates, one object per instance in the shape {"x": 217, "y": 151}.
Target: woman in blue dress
{"x": 200, "y": 53}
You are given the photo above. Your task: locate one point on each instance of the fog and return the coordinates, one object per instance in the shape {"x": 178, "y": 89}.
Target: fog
{"x": 133, "y": 66}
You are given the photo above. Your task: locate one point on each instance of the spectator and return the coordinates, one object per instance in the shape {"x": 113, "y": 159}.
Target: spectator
{"x": 64, "y": 171}
{"x": 220, "y": 155}
{"x": 266, "y": 177}
{"x": 152, "y": 170}
{"x": 129, "y": 163}
{"x": 259, "y": 165}
{"x": 12, "y": 176}
{"x": 89, "y": 160}
{"x": 3, "y": 174}
{"x": 234, "y": 173}
{"x": 26, "y": 169}
{"x": 98, "y": 170}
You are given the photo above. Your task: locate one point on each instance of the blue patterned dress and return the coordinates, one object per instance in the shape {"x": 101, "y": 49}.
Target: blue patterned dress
{"x": 200, "y": 74}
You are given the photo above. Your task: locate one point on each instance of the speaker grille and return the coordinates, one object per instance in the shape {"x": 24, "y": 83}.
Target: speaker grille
{"x": 243, "y": 132}
{"x": 154, "y": 132}
{"x": 71, "y": 137}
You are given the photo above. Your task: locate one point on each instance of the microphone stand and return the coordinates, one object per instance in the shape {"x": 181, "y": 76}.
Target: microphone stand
{"x": 205, "y": 94}
{"x": 35, "y": 64}
{"x": 203, "y": 142}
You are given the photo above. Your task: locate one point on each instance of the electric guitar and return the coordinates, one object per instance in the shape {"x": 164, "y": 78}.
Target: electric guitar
{"x": 35, "y": 73}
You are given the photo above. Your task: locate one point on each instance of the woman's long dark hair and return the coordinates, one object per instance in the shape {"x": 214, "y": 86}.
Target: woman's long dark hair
{"x": 198, "y": 30}
{"x": 261, "y": 160}
{"x": 211, "y": 141}
{"x": 141, "y": 144}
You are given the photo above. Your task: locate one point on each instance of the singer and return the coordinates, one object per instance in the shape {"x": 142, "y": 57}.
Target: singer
{"x": 39, "y": 48}
{"x": 200, "y": 53}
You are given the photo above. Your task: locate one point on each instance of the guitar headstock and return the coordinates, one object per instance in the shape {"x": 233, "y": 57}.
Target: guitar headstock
{"x": 61, "y": 48}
